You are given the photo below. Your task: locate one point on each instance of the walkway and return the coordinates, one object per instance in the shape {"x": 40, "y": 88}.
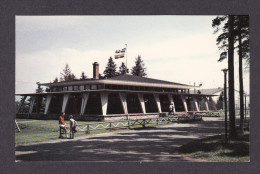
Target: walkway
{"x": 150, "y": 144}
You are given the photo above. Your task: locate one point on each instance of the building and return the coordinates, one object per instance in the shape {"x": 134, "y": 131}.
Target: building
{"x": 122, "y": 96}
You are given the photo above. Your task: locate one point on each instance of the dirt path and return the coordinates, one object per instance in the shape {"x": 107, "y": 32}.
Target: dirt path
{"x": 151, "y": 144}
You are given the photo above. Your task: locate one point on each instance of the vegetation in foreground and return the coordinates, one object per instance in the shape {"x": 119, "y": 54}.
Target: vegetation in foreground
{"x": 214, "y": 149}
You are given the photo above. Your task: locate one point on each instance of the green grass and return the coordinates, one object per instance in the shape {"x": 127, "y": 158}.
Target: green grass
{"x": 40, "y": 130}
{"x": 214, "y": 149}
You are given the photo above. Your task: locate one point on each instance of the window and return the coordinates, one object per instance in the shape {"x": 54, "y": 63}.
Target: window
{"x": 55, "y": 89}
{"x": 87, "y": 87}
{"x": 75, "y": 88}
{"x": 70, "y": 88}
{"x": 93, "y": 86}
{"x": 65, "y": 88}
{"x": 81, "y": 87}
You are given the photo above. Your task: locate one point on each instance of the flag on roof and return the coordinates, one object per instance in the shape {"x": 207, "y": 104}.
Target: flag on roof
{"x": 117, "y": 56}
{"x": 120, "y": 53}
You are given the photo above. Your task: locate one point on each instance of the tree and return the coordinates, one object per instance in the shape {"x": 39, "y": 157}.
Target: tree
{"x": 123, "y": 69}
{"x": 110, "y": 70}
{"x": 66, "y": 75}
{"x": 241, "y": 35}
{"x": 139, "y": 69}
{"x": 83, "y": 76}
{"x": 55, "y": 80}
{"x": 226, "y": 41}
{"x": 220, "y": 101}
{"x": 39, "y": 88}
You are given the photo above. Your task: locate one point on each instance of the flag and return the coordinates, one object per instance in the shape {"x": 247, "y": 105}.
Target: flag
{"x": 117, "y": 56}
{"x": 120, "y": 53}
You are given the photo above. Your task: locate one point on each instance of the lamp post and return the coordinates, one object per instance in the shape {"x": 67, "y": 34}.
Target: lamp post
{"x": 225, "y": 100}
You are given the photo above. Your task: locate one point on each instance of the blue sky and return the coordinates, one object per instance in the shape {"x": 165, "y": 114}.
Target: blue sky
{"x": 174, "y": 48}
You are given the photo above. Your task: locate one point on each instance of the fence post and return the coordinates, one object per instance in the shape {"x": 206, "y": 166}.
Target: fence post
{"x": 88, "y": 131}
{"x": 143, "y": 123}
{"x": 128, "y": 124}
{"x": 110, "y": 125}
{"x": 157, "y": 121}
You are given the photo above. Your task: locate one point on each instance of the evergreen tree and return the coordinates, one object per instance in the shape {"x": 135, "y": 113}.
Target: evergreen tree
{"x": 123, "y": 69}
{"x": 39, "y": 89}
{"x": 83, "y": 76}
{"x": 139, "y": 69}
{"x": 55, "y": 80}
{"x": 66, "y": 75}
{"x": 110, "y": 70}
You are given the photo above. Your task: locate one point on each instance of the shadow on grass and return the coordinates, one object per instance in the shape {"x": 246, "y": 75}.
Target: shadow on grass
{"x": 214, "y": 148}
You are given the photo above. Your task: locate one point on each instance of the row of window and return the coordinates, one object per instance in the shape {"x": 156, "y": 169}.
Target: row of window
{"x": 115, "y": 87}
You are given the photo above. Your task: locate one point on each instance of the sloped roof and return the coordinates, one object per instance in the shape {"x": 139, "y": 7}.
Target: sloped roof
{"x": 125, "y": 79}
{"x": 132, "y": 78}
{"x": 211, "y": 91}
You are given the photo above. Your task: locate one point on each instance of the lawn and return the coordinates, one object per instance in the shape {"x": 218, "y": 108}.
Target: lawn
{"x": 40, "y": 130}
{"x": 214, "y": 149}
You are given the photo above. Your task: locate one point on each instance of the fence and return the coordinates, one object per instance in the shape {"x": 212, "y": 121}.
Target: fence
{"x": 33, "y": 131}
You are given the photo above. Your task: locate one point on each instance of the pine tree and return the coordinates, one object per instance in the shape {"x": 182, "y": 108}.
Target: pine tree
{"x": 110, "y": 70}
{"x": 139, "y": 69}
{"x": 123, "y": 69}
{"x": 66, "y": 75}
{"x": 55, "y": 80}
{"x": 83, "y": 76}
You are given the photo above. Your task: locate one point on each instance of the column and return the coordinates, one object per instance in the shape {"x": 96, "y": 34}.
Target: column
{"x": 157, "y": 100}
{"x": 213, "y": 103}
{"x": 104, "y": 100}
{"x": 184, "y": 103}
{"x": 65, "y": 102}
{"x": 21, "y": 103}
{"x": 31, "y": 104}
{"x": 85, "y": 97}
{"x": 171, "y": 102}
{"x": 196, "y": 103}
{"x": 123, "y": 102}
{"x": 48, "y": 101}
{"x": 206, "y": 103}
{"x": 141, "y": 100}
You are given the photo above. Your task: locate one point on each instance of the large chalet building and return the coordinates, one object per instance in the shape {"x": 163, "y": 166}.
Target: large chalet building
{"x": 122, "y": 96}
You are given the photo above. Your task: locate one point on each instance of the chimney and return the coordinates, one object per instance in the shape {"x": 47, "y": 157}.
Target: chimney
{"x": 95, "y": 70}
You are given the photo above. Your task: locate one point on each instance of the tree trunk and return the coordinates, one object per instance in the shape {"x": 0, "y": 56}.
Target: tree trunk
{"x": 232, "y": 124}
{"x": 241, "y": 86}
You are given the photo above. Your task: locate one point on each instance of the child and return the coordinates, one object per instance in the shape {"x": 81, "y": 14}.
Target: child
{"x": 74, "y": 124}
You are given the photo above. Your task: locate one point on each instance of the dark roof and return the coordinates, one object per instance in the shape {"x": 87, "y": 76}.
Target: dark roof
{"x": 123, "y": 78}
{"x": 133, "y": 78}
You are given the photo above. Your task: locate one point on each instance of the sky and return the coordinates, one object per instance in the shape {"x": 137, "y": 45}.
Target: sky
{"x": 175, "y": 48}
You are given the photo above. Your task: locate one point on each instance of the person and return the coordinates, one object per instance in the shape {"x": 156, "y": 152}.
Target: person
{"x": 171, "y": 109}
{"x": 62, "y": 124}
{"x": 74, "y": 124}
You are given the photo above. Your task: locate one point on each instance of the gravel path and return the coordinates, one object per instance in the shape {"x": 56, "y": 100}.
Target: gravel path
{"x": 150, "y": 144}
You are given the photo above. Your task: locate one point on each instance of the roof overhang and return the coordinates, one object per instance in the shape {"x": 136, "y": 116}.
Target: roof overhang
{"x": 120, "y": 82}
{"x": 107, "y": 90}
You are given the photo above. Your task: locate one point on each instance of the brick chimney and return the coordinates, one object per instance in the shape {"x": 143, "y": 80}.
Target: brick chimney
{"x": 95, "y": 70}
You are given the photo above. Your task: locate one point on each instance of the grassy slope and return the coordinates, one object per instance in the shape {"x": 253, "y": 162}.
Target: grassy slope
{"x": 214, "y": 149}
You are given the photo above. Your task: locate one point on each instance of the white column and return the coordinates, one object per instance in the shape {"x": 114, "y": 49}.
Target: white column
{"x": 65, "y": 102}
{"x": 85, "y": 97}
{"x": 206, "y": 103}
{"x": 157, "y": 100}
{"x": 123, "y": 102}
{"x": 141, "y": 100}
{"x": 184, "y": 103}
{"x": 213, "y": 103}
{"x": 196, "y": 103}
{"x": 48, "y": 101}
{"x": 31, "y": 104}
{"x": 21, "y": 103}
{"x": 104, "y": 100}
{"x": 171, "y": 102}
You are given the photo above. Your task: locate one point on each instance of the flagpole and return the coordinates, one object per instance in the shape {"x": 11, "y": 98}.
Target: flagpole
{"x": 126, "y": 56}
